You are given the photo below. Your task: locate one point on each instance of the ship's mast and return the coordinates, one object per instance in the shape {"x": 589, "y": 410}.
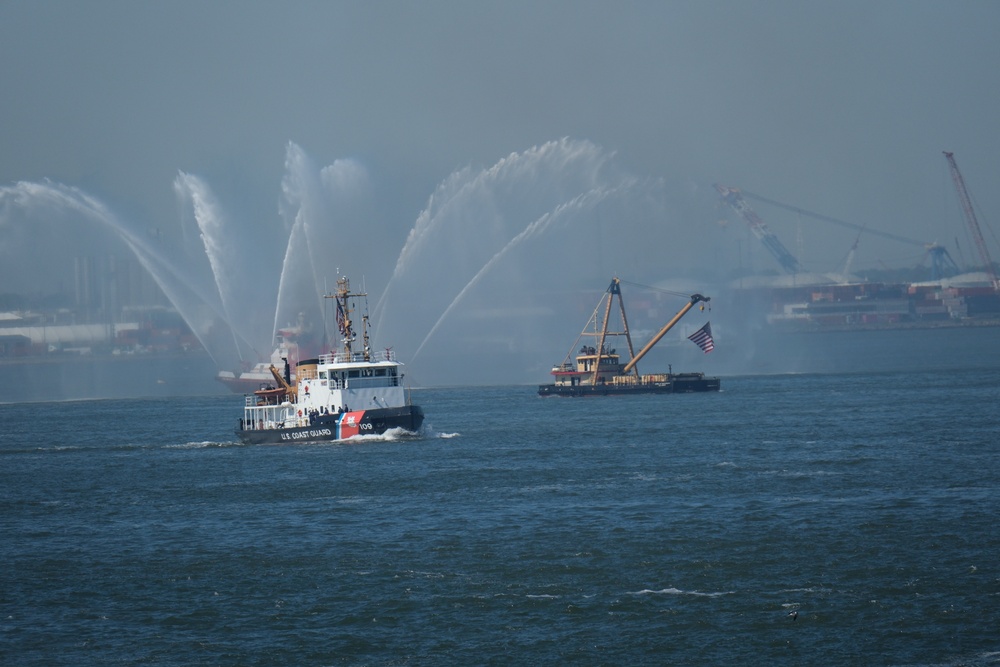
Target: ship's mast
{"x": 615, "y": 289}
{"x": 604, "y": 331}
{"x": 598, "y": 327}
{"x": 345, "y": 325}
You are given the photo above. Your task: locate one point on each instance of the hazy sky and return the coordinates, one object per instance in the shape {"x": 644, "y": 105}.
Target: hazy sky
{"x": 840, "y": 107}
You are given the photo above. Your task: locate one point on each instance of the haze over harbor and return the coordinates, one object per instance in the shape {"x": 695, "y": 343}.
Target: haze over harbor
{"x": 480, "y": 191}
{"x": 180, "y": 180}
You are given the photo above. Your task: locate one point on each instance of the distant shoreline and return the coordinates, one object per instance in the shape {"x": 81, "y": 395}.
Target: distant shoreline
{"x": 101, "y": 357}
{"x": 882, "y": 326}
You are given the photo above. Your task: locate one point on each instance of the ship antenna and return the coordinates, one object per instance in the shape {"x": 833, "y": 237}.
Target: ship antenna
{"x": 364, "y": 329}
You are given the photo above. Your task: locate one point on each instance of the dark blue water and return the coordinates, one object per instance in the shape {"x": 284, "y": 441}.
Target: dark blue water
{"x": 517, "y": 530}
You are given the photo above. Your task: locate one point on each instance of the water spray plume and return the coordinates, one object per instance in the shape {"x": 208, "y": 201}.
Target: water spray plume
{"x": 565, "y": 166}
{"x": 212, "y": 224}
{"x": 174, "y": 282}
{"x": 301, "y": 207}
{"x": 539, "y": 226}
{"x": 476, "y": 213}
{"x": 537, "y": 217}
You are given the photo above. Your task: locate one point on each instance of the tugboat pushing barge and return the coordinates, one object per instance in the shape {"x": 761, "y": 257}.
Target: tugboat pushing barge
{"x": 599, "y": 371}
{"x": 335, "y": 396}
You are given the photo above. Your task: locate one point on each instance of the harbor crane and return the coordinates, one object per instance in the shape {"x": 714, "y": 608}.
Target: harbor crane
{"x": 970, "y": 217}
{"x": 942, "y": 263}
{"x": 734, "y": 198}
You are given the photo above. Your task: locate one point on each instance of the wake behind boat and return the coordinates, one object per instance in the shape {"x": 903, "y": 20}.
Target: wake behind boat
{"x": 599, "y": 371}
{"x": 335, "y": 396}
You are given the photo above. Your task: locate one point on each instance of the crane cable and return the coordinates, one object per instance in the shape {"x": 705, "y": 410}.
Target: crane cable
{"x": 683, "y": 295}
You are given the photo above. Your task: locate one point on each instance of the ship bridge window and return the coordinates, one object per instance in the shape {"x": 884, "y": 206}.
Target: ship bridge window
{"x": 323, "y": 375}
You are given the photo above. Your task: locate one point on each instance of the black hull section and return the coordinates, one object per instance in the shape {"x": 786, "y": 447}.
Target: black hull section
{"x": 683, "y": 383}
{"x": 331, "y": 428}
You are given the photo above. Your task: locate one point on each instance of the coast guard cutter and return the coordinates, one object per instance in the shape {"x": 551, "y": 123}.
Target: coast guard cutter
{"x": 336, "y": 396}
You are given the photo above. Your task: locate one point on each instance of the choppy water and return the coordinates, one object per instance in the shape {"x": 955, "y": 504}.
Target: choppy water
{"x": 517, "y": 530}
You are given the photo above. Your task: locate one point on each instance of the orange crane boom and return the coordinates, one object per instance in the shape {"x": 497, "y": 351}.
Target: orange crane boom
{"x": 695, "y": 298}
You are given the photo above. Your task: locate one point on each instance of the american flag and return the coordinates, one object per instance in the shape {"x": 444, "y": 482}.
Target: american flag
{"x": 703, "y": 338}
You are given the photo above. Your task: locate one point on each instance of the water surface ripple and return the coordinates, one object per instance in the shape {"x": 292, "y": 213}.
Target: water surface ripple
{"x": 803, "y": 519}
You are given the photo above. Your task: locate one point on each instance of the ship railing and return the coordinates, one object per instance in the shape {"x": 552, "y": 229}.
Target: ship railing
{"x": 631, "y": 380}
{"x": 356, "y": 357}
{"x": 262, "y": 417}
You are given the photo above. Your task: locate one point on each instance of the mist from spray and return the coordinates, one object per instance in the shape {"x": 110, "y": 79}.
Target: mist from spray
{"x": 539, "y": 226}
{"x": 222, "y": 256}
{"x": 508, "y": 257}
{"x": 302, "y": 208}
{"x": 474, "y": 212}
{"x": 325, "y": 213}
{"x": 503, "y": 254}
{"x": 195, "y": 304}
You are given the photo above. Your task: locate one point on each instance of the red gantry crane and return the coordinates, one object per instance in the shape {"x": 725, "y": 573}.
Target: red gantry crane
{"x": 970, "y": 217}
